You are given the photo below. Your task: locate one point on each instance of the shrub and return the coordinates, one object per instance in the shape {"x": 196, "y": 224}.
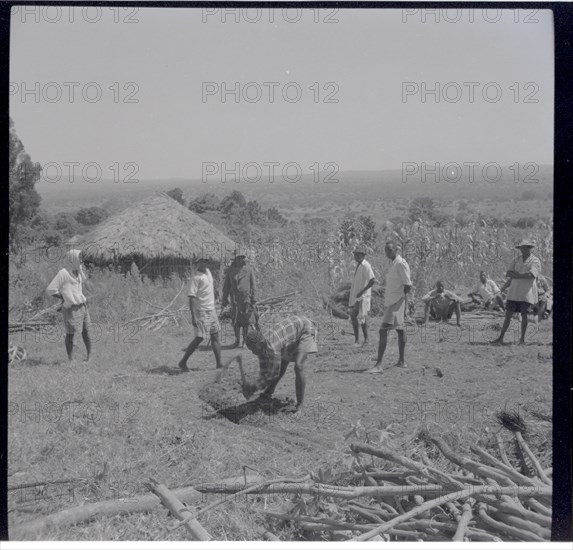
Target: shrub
{"x": 91, "y": 216}
{"x": 205, "y": 203}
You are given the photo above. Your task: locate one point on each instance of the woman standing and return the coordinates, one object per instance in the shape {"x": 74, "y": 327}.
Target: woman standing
{"x": 67, "y": 287}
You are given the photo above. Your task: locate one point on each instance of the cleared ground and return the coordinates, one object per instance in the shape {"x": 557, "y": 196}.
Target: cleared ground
{"x": 132, "y": 409}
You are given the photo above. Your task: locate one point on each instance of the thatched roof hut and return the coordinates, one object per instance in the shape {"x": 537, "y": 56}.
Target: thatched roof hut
{"x": 159, "y": 235}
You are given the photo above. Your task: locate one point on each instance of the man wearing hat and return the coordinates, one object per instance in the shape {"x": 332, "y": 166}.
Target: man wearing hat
{"x": 240, "y": 286}
{"x": 204, "y": 318}
{"x": 522, "y": 293}
{"x": 360, "y": 294}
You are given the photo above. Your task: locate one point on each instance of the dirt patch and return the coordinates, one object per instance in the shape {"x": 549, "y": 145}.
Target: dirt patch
{"x": 225, "y": 397}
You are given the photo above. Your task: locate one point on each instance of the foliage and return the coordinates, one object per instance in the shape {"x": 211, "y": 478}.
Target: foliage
{"x": 205, "y": 203}
{"x": 456, "y": 254}
{"x": 232, "y": 201}
{"x": 91, "y": 216}
{"x": 177, "y": 194}
{"x": 529, "y": 195}
{"x": 66, "y": 224}
{"x": 24, "y": 200}
{"x": 526, "y": 221}
{"x": 362, "y": 229}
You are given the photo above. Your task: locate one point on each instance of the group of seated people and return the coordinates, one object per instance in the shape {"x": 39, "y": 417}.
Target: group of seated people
{"x": 442, "y": 304}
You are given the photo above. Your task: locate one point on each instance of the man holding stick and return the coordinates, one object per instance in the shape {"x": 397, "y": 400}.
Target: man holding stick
{"x": 522, "y": 294}
{"x": 360, "y": 294}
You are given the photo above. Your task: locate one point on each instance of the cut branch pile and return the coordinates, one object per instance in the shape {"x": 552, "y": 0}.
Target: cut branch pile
{"x": 156, "y": 320}
{"x": 482, "y": 499}
{"x": 385, "y": 496}
{"x": 40, "y": 319}
{"x": 276, "y": 304}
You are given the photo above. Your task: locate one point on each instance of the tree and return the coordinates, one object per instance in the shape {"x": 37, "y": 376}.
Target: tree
{"x": 275, "y": 217}
{"x": 24, "y": 200}
{"x": 177, "y": 194}
{"x": 91, "y": 216}
{"x": 66, "y": 224}
{"x": 362, "y": 228}
{"x": 205, "y": 203}
{"x": 421, "y": 208}
{"x": 235, "y": 199}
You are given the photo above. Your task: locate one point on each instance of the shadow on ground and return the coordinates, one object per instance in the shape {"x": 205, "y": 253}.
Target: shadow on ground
{"x": 165, "y": 369}
{"x": 266, "y": 406}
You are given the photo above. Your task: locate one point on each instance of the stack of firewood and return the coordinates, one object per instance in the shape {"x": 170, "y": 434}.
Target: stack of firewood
{"x": 478, "y": 498}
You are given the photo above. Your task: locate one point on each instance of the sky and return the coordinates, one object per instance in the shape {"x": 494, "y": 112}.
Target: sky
{"x": 160, "y": 73}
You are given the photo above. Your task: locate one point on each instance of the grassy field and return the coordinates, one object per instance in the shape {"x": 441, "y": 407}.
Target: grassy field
{"x": 131, "y": 408}
{"x": 107, "y": 426}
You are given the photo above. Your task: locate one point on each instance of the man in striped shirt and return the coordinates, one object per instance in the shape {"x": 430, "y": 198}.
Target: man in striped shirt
{"x": 291, "y": 339}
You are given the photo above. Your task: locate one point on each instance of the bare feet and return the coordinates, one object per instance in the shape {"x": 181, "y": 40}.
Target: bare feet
{"x": 376, "y": 369}
{"x": 183, "y": 366}
{"x": 497, "y": 342}
{"x": 401, "y": 365}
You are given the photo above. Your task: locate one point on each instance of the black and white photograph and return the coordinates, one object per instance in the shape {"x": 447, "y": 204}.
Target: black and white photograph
{"x": 282, "y": 274}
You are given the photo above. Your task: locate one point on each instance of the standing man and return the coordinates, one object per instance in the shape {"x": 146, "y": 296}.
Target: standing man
{"x": 488, "y": 291}
{"x": 240, "y": 286}
{"x": 291, "y": 339}
{"x": 522, "y": 294}
{"x": 443, "y": 304}
{"x": 204, "y": 319}
{"x": 67, "y": 287}
{"x": 398, "y": 285}
{"x": 360, "y": 294}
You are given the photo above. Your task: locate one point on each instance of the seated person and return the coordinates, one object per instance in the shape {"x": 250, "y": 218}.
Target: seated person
{"x": 441, "y": 304}
{"x": 488, "y": 291}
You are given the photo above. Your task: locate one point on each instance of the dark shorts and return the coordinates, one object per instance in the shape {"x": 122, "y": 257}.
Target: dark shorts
{"x": 243, "y": 314}
{"x": 518, "y": 307}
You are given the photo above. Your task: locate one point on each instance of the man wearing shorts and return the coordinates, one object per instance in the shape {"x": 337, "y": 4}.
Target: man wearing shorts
{"x": 360, "y": 295}
{"x": 398, "y": 285}
{"x": 522, "y": 294}
{"x": 204, "y": 319}
{"x": 67, "y": 286}
{"x": 291, "y": 339}
{"x": 239, "y": 286}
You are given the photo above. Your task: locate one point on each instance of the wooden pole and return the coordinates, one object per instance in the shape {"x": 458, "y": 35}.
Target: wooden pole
{"x": 179, "y": 510}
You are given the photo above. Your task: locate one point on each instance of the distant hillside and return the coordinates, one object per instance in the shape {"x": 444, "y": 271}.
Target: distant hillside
{"x": 351, "y": 185}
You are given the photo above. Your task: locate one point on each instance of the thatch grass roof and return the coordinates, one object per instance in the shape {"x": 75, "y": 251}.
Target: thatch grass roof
{"x": 158, "y": 227}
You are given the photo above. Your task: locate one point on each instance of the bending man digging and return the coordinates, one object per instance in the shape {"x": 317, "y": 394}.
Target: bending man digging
{"x": 291, "y": 339}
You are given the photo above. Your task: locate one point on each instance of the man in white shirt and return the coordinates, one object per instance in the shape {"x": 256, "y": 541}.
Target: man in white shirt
{"x": 67, "y": 286}
{"x": 488, "y": 291}
{"x": 522, "y": 294}
{"x": 360, "y": 294}
{"x": 204, "y": 318}
{"x": 398, "y": 285}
